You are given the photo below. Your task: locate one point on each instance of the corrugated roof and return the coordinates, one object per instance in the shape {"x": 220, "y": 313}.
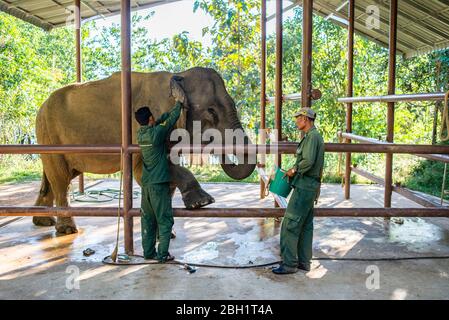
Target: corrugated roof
{"x": 49, "y": 14}
{"x": 423, "y": 26}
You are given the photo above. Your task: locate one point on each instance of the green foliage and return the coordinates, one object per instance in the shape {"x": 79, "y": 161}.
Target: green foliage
{"x": 427, "y": 176}
{"x": 32, "y": 64}
{"x": 19, "y": 168}
{"x": 235, "y": 51}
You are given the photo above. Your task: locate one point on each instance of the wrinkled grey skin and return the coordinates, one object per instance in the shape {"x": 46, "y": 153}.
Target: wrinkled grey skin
{"x": 90, "y": 113}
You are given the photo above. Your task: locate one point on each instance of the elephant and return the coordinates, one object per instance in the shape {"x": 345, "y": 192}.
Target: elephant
{"x": 90, "y": 113}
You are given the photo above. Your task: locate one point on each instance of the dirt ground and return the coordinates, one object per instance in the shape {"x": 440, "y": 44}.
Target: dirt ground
{"x": 37, "y": 264}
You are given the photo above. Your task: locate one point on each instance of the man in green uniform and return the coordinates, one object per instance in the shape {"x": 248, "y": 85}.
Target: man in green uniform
{"x": 156, "y": 206}
{"x": 305, "y": 178}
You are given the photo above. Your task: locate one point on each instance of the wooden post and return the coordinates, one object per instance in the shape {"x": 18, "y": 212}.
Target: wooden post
{"x": 78, "y": 66}
{"x": 278, "y": 85}
{"x": 349, "y": 94}
{"x": 307, "y": 29}
{"x": 391, "y": 90}
{"x": 263, "y": 88}
{"x": 278, "y": 80}
{"x": 126, "y": 123}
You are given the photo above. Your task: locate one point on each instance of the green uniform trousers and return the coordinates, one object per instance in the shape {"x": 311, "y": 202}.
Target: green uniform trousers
{"x": 157, "y": 216}
{"x": 297, "y": 228}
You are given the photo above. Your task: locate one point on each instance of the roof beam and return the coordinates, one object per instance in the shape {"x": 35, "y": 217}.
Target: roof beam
{"x": 25, "y": 15}
{"x": 401, "y": 30}
{"x": 104, "y": 7}
{"x": 412, "y": 19}
{"x": 323, "y": 13}
{"x": 431, "y": 14}
{"x": 445, "y": 2}
{"x": 385, "y": 34}
{"x": 381, "y": 33}
{"x": 87, "y": 4}
{"x": 286, "y": 9}
{"x": 18, "y": 3}
{"x": 113, "y": 13}
{"x": 46, "y": 10}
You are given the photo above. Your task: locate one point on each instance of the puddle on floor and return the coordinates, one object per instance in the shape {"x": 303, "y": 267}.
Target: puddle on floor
{"x": 415, "y": 233}
{"x": 202, "y": 254}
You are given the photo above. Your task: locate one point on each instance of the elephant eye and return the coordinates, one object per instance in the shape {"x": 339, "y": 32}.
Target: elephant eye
{"x": 214, "y": 114}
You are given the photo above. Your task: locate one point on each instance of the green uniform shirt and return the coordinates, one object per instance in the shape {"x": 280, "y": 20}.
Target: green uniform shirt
{"x": 152, "y": 140}
{"x": 309, "y": 161}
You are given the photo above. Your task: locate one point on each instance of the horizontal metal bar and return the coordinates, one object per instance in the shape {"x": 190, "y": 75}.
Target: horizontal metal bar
{"x": 280, "y": 148}
{"x": 229, "y": 212}
{"x": 286, "y": 97}
{"x": 400, "y": 190}
{"x": 439, "y": 96}
{"x": 316, "y": 95}
{"x": 351, "y": 136}
{"x": 59, "y": 149}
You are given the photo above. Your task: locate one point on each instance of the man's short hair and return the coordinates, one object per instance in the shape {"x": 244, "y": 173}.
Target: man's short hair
{"x": 143, "y": 115}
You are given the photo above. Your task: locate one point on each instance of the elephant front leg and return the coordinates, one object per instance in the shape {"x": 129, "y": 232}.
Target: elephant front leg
{"x": 192, "y": 194}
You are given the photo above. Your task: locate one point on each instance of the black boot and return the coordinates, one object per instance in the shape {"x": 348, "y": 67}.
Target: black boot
{"x": 283, "y": 269}
{"x": 167, "y": 258}
{"x": 304, "y": 266}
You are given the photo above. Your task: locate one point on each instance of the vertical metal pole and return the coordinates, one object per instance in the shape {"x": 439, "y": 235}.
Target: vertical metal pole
{"x": 126, "y": 122}
{"x": 78, "y": 66}
{"x": 391, "y": 90}
{"x": 263, "y": 85}
{"x": 443, "y": 185}
{"x": 78, "y": 39}
{"x": 278, "y": 80}
{"x": 350, "y": 92}
{"x": 307, "y": 28}
{"x": 438, "y": 104}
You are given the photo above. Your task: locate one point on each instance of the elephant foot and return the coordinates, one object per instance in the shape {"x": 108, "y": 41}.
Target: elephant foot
{"x": 197, "y": 198}
{"x": 44, "y": 221}
{"x": 65, "y": 226}
{"x": 398, "y": 220}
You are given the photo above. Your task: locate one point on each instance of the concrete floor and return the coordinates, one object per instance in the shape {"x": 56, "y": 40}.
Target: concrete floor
{"x": 36, "y": 264}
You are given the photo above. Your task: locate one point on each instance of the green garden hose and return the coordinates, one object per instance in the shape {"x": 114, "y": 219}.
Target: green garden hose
{"x": 133, "y": 260}
{"x": 100, "y": 196}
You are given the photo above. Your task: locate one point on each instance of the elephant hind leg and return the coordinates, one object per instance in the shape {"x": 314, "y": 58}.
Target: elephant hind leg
{"x": 45, "y": 198}
{"x": 60, "y": 176}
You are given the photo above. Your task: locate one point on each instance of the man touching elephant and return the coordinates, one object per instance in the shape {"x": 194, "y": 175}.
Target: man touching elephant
{"x": 156, "y": 206}
{"x": 70, "y": 116}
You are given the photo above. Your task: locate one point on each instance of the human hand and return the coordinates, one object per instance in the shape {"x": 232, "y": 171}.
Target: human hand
{"x": 290, "y": 173}
{"x": 177, "y": 91}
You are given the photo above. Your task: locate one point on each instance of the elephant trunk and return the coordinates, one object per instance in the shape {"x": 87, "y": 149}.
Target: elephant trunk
{"x": 246, "y": 163}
